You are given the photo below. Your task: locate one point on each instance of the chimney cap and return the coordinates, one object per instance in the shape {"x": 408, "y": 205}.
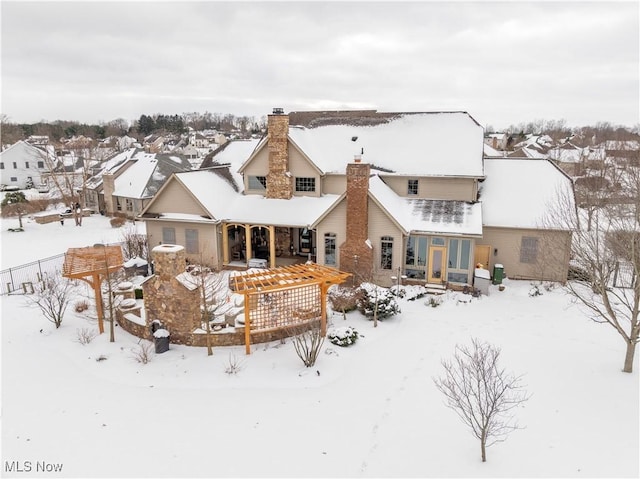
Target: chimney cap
{"x": 278, "y": 111}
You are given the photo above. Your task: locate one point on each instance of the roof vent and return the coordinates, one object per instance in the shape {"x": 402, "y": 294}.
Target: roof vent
{"x": 354, "y": 138}
{"x": 278, "y": 111}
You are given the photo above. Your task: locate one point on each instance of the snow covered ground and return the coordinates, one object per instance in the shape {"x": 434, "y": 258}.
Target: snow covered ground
{"x": 369, "y": 410}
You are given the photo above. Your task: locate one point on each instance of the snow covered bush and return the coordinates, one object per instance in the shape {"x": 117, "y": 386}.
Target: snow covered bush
{"x": 376, "y": 301}
{"x": 117, "y": 222}
{"x": 343, "y": 299}
{"x": 344, "y": 336}
{"x": 85, "y": 335}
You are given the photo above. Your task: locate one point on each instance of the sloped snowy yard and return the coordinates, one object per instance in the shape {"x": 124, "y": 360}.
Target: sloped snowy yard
{"x": 368, "y": 410}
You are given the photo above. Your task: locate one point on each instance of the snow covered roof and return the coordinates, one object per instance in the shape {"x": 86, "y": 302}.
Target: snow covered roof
{"x": 234, "y": 153}
{"x": 220, "y": 199}
{"x": 519, "y": 192}
{"x": 434, "y": 144}
{"x": 419, "y": 215}
{"x": 149, "y": 172}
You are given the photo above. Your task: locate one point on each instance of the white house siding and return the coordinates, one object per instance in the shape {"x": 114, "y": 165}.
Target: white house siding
{"x": 175, "y": 199}
{"x": 552, "y": 259}
{"x": 380, "y": 225}
{"x": 207, "y": 239}
{"x": 334, "y": 184}
{"x": 299, "y": 166}
{"x": 22, "y": 153}
{"x": 259, "y": 166}
{"x": 462, "y": 189}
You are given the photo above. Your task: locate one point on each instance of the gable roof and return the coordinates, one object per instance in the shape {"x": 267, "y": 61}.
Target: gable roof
{"x": 144, "y": 178}
{"x": 233, "y": 153}
{"x": 436, "y": 144}
{"x": 509, "y": 201}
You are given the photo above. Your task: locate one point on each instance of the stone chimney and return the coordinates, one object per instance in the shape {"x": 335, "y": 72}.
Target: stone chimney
{"x": 279, "y": 181}
{"x": 356, "y": 254}
{"x": 175, "y": 304}
{"x": 108, "y": 187}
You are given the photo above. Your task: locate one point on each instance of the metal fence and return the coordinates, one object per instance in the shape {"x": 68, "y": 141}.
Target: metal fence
{"x": 21, "y": 279}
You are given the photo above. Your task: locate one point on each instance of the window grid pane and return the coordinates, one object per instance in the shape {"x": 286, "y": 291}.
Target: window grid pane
{"x": 305, "y": 184}
{"x": 257, "y": 182}
{"x": 528, "y": 249}
{"x": 330, "y": 249}
{"x": 191, "y": 241}
{"x": 168, "y": 235}
{"x": 412, "y": 187}
{"x": 386, "y": 252}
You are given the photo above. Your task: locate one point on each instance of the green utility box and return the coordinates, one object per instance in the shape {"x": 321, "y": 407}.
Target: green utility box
{"x": 498, "y": 274}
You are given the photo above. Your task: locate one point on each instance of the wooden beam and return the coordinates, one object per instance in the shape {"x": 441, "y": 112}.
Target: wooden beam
{"x": 225, "y": 243}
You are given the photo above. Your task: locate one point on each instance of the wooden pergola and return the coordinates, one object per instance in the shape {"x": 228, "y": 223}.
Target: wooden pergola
{"x": 91, "y": 264}
{"x": 282, "y": 279}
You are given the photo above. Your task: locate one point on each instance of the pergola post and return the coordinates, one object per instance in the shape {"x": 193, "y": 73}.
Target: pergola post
{"x": 97, "y": 286}
{"x": 247, "y": 324}
{"x": 247, "y": 241}
{"x": 323, "y": 309}
{"x": 272, "y": 246}
{"x": 225, "y": 243}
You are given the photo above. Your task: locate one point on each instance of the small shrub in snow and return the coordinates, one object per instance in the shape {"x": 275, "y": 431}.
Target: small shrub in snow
{"x": 434, "y": 301}
{"x": 345, "y": 336}
{"x": 144, "y": 352}
{"x": 535, "y": 291}
{"x": 375, "y": 300}
{"x": 413, "y": 292}
{"x": 307, "y": 343}
{"x": 117, "y": 222}
{"x": 343, "y": 299}
{"x": 234, "y": 365}
{"x": 82, "y": 306}
{"x": 85, "y": 335}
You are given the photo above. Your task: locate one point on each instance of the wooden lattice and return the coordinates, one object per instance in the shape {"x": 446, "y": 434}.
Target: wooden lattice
{"x": 285, "y": 296}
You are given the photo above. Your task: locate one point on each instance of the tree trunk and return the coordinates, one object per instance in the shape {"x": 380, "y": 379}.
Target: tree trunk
{"x": 483, "y": 449}
{"x": 628, "y": 358}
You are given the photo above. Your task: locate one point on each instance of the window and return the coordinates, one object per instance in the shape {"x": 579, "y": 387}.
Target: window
{"x": 168, "y": 235}
{"x": 416, "y": 251}
{"x": 459, "y": 260}
{"x": 191, "y": 241}
{"x": 330, "y": 249}
{"x": 257, "y": 183}
{"x": 305, "y": 184}
{"x": 41, "y": 164}
{"x": 26, "y": 164}
{"x": 129, "y": 204}
{"x": 15, "y": 165}
{"x": 2, "y": 166}
{"x": 118, "y": 204}
{"x": 529, "y": 249}
{"x": 386, "y": 252}
{"x": 14, "y": 179}
{"x": 437, "y": 241}
{"x": 412, "y": 187}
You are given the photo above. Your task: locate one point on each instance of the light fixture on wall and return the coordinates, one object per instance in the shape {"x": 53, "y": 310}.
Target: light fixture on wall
{"x": 495, "y": 251}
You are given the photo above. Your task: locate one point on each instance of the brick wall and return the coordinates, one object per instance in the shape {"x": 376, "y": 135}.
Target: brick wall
{"x": 356, "y": 256}
{"x": 279, "y": 182}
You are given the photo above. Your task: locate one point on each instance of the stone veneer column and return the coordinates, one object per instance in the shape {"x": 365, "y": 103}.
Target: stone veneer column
{"x": 108, "y": 187}
{"x": 168, "y": 300}
{"x": 279, "y": 181}
{"x": 356, "y": 256}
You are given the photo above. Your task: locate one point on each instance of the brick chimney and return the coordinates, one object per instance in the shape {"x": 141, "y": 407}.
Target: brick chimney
{"x": 356, "y": 256}
{"x": 279, "y": 181}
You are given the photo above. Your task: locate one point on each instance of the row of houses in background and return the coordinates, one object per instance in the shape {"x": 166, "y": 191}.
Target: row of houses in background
{"x": 31, "y": 162}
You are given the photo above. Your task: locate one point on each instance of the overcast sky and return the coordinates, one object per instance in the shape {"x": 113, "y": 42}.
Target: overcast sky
{"x": 503, "y": 62}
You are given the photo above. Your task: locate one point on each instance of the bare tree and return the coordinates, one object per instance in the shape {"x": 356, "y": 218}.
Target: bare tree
{"x": 134, "y": 244}
{"x": 215, "y": 301}
{"x": 307, "y": 342}
{"x": 52, "y": 295}
{"x": 482, "y": 393}
{"x": 606, "y": 241}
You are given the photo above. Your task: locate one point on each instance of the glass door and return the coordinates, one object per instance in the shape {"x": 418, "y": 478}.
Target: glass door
{"x": 435, "y": 271}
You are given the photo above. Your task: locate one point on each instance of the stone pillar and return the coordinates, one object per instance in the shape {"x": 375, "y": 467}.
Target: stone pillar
{"x": 108, "y": 187}
{"x": 279, "y": 181}
{"x": 356, "y": 253}
{"x": 168, "y": 300}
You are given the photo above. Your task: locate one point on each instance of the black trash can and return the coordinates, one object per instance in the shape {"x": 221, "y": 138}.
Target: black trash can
{"x": 161, "y": 339}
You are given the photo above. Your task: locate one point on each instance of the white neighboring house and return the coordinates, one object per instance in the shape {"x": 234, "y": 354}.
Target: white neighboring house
{"x": 23, "y": 165}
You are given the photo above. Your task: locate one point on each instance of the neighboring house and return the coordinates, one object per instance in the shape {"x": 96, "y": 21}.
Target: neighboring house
{"x": 497, "y": 141}
{"x": 198, "y": 140}
{"x": 113, "y": 167}
{"x": 24, "y": 165}
{"x": 128, "y": 193}
{"x": 373, "y": 194}
{"x": 154, "y": 143}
